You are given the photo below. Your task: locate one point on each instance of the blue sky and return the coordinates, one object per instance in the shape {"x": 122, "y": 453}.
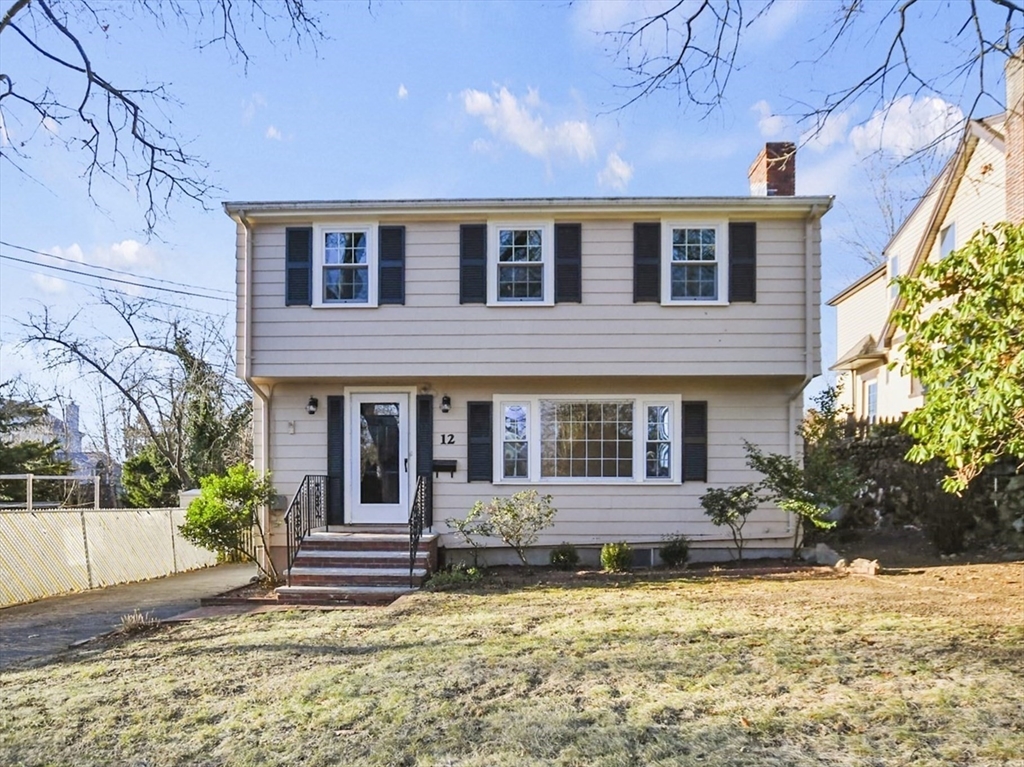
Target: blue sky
{"x": 425, "y": 100}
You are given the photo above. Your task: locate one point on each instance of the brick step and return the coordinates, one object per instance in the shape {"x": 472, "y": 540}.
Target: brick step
{"x": 330, "y": 558}
{"x": 339, "y": 595}
{"x": 351, "y": 576}
{"x": 362, "y": 542}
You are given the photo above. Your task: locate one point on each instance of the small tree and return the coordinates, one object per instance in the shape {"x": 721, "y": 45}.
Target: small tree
{"x": 227, "y": 512}
{"x": 516, "y": 520}
{"x": 823, "y": 481}
{"x": 730, "y": 507}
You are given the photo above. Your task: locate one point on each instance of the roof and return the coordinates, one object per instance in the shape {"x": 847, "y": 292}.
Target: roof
{"x": 860, "y": 282}
{"x": 563, "y": 205}
{"x": 863, "y": 353}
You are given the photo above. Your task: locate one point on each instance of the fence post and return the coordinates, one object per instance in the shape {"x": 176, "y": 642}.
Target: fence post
{"x": 28, "y": 491}
{"x": 85, "y": 545}
{"x": 95, "y": 491}
{"x": 174, "y": 550}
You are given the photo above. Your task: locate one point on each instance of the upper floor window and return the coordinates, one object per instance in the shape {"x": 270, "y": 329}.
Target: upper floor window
{"x": 693, "y": 263}
{"x": 346, "y": 266}
{"x": 521, "y": 263}
{"x": 947, "y": 240}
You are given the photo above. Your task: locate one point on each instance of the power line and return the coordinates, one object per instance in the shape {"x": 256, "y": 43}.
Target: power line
{"x": 115, "y": 271}
{"x": 114, "y": 279}
{"x": 127, "y": 294}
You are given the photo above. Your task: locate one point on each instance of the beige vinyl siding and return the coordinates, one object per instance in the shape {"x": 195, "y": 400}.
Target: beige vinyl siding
{"x": 433, "y": 335}
{"x": 980, "y": 199}
{"x": 738, "y": 409}
{"x": 862, "y": 313}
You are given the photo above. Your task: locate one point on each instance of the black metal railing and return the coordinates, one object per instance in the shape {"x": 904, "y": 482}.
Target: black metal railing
{"x": 417, "y": 513}
{"x": 308, "y": 511}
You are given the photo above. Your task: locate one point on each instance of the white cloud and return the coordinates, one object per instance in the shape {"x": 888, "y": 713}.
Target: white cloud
{"x": 47, "y": 284}
{"x": 273, "y": 133}
{"x": 252, "y": 105}
{"x": 908, "y": 125}
{"x": 777, "y": 21}
{"x": 403, "y": 92}
{"x": 828, "y": 132}
{"x": 616, "y": 173}
{"x": 131, "y": 255}
{"x": 771, "y": 125}
{"x": 513, "y": 121}
{"x": 51, "y": 126}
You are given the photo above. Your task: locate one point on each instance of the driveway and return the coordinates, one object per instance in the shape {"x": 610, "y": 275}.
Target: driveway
{"x": 51, "y": 625}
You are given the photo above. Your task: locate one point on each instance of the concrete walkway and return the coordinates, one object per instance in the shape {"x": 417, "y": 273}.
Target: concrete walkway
{"x": 51, "y": 625}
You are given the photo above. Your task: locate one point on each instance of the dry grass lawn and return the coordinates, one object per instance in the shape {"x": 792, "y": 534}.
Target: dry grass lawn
{"x": 915, "y": 668}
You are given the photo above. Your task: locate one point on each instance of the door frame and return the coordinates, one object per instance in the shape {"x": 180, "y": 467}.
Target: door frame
{"x": 353, "y": 457}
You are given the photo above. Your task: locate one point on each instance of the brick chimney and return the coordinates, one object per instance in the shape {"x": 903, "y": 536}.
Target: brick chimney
{"x": 1013, "y": 130}
{"x": 773, "y": 173}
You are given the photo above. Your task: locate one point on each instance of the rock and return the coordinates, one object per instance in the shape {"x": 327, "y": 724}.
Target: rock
{"x": 864, "y": 567}
{"x": 824, "y": 555}
{"x": 841, "y": 565}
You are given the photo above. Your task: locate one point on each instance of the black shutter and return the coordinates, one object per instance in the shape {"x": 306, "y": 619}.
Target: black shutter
{"x": 743, "y": 262}
{"x": 568, "y": 263}
{"x": 695, "y": 442}
{"x": 335, "y": 460}
{"x": 425, "y": 452}
{"x": 298, "y": 266}
{"x": 646, "y": 262}
{"x": 391, "y": 263}
{"x": 479, "y": 458}
{"x": 473, "y": 264}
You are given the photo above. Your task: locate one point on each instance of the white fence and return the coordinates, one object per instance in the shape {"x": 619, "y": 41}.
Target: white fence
{"x": 43, "y": 553}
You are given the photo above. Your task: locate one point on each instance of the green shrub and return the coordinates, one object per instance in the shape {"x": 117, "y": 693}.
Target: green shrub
{"x": 617, "y": 557}
{"x": 516, "y": 520}
{"x": 676, "y": 551}
{"x": 454, "y": 576}
{"x": 564, "y": 557}
{"x": 730, "y": 507}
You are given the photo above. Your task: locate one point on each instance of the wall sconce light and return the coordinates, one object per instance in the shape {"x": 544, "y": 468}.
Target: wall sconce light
{"x": 446, "y": 403}
{"x": 312, "y": 405}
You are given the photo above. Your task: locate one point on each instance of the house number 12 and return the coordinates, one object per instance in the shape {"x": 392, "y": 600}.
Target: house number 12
{"x": 447, "y": 439}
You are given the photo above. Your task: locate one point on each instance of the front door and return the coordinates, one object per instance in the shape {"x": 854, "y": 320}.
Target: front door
{"x": 379, "y": 443}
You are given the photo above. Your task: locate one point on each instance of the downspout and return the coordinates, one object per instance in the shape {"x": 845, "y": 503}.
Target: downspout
{"x": 796, "y": 400}
{"x": 247, "y": 359}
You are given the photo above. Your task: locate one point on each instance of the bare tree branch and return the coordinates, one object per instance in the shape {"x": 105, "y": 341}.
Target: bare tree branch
{"x": 120, "y": 130}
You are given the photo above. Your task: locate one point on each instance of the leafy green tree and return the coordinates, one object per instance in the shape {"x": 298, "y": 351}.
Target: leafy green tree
{"x": 226, "y": 515}
{"x": 147, "y": 481}
{"x": 964, "y": 323}
{"x": 26, "y": 456}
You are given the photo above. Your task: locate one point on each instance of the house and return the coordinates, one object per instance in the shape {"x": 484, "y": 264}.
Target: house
{"x": 613, "y": 352}
{"x": 981, "y": 184}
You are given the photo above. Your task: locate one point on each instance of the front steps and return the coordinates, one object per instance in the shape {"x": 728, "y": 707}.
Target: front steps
{"x": 359, "y": 566}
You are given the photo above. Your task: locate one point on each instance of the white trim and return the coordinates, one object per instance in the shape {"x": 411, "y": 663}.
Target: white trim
{"x": 639, "y": 469}
{"x": 372, "y": 266}
{"x": 721, "y": 260}
{"x": 547, "y": 245}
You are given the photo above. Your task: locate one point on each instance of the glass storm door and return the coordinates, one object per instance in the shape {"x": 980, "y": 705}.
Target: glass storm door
{"x": 380, "y": 451}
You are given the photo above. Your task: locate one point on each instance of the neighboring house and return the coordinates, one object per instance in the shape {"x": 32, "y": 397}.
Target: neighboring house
{"x": 982, "y": 184}
{"x": 613, "y": 352}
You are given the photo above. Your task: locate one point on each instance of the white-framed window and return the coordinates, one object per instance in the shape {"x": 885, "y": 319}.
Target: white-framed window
{"x": 871, "y": 400}
{"x": 894, "y": 272}
{"x": 694, "y": 262}
{"x": 947, "y": 240}
{"x": 565, "y": 439}
{"x": 521, "y": 263}
{"x": 345, "y": 265}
